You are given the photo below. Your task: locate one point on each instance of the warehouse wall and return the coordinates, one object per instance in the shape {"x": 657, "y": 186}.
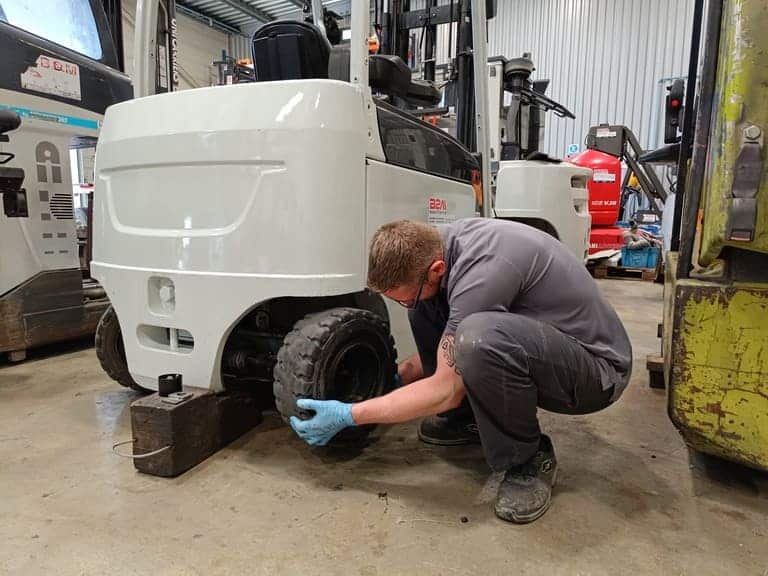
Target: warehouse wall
{"x": 199, "y": 46}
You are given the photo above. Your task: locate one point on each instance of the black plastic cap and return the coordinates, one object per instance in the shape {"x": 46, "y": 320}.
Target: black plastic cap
{"x": 168, "y": 384}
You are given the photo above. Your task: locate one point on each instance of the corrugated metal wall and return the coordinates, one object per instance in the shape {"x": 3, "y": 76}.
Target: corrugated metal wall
{"x": 239, "y": 46}
{"x": 609, "y": 60}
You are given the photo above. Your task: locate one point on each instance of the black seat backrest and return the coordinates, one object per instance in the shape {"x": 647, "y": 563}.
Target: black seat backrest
{"x": 386, "y": 74}
{"x": 389, "y": 74}
{"x": 290, "y": 50}
{"x": 338, "y": 63}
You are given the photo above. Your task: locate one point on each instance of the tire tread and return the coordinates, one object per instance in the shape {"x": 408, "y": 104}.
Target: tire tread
{"x": 115, "y": 367}
{"x": 302, "y": 348}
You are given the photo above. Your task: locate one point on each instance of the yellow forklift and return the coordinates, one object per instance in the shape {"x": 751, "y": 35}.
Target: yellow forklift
{"x": 715, "y": 328}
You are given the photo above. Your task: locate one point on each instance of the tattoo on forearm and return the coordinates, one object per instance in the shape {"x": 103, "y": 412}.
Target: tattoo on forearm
{"x": 449, "y": 353}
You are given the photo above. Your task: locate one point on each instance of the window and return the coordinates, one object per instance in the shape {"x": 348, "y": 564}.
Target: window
{"x": 67, "y": 22}
{"x": 411, "y": 143}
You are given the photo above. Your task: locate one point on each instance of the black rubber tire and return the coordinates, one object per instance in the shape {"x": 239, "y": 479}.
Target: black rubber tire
{"x": 111, "y": 352}
{"x": 344, "y": 354}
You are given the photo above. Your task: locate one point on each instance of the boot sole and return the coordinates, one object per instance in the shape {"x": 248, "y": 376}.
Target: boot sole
{"x": 442, "y": 442}
{"x": 527, "y": 519}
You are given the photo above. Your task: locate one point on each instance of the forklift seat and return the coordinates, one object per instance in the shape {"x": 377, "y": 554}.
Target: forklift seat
{"x": 423, "y": 93}
{"x": 386, "y": 74}
{"x": 290, "y": 50}
{"x": 338, "y": 63}
{"x": 389, "y": 74}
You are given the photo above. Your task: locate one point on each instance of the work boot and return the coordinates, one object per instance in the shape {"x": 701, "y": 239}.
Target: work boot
{"x": 448, "y": 431}
{"x": 526, "y": 491}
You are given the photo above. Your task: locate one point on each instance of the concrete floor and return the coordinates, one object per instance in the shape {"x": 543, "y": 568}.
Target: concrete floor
{"x": 630, "y": 498}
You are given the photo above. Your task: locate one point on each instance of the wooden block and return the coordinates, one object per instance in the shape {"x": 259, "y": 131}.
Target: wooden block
{"x": 193, "y": 430}
{"x": 600, "y": 272}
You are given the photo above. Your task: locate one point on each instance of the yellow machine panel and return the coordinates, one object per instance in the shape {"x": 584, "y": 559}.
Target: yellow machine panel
{"x": 735, "y": 194}
{"x": 718, "y": 383}
{"x": 715, "y": 335}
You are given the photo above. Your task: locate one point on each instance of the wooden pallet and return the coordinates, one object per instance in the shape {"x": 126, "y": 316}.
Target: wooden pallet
{"x": 602, "y": 272}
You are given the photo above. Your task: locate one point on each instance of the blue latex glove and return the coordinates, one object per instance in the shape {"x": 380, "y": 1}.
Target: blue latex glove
{"x": 331, "y": 417}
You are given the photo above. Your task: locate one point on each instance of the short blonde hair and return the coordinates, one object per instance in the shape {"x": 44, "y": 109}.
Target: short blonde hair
{"x": 400, "y": 253}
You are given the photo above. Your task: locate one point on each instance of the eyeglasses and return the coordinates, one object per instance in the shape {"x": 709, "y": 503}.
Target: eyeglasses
{"x": 411, "y": 304}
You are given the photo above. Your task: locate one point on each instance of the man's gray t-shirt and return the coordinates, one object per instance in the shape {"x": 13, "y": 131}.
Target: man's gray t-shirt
{"x": 496, "y": 265}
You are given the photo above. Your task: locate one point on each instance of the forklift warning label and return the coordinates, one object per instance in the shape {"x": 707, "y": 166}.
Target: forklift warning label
{"x": 437, "y": 211}
{"x": 53, "y": 76}
{"x": 603, "y": 176}
{"x": 605, "y": 133}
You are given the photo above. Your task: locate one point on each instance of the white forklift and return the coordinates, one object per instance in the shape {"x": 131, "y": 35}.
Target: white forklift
{"x": 232, "y": 225}
{"x": 525, "y": 185}
{"x": 56, "y": 80}
{"x": 528, "y": 186}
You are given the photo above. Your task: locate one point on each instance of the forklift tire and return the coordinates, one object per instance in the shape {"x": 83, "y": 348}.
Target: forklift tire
{"x": 111, "y": 352}
{"x": 344, "y": 354}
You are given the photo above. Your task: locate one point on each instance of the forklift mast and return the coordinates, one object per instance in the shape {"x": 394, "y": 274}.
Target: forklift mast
{"x": 156, "y": 48}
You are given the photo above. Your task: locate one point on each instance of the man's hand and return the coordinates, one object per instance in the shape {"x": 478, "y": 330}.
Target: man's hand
{"x": 331, "y": 417}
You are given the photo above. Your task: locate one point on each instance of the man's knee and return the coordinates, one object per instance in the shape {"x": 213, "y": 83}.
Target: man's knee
{"x": 481, "y": 346}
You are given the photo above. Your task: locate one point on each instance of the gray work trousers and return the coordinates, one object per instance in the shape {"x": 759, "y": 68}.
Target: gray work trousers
{"x": 512, "y": 365}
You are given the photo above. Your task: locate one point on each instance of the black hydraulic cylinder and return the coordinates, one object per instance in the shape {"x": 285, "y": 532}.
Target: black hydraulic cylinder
{"x": 465, "y": 97}
{"x": 430, "y": 32}
{"x": 687, "y": 201}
